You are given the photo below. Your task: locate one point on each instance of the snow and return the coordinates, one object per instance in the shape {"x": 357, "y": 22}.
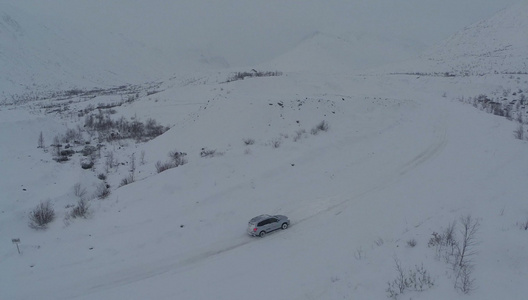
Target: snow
{"x": 402, "y": 159}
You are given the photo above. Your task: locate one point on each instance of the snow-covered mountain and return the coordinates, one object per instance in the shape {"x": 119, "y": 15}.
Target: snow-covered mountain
{"x": 43, "y": 54}
{"x": 351, "y": 51}
{"x": 497, "y": 44}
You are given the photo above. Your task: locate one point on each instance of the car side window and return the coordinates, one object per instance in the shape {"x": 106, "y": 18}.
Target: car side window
{"x": 262, "y": 223}
{"x": 273, "y": 220}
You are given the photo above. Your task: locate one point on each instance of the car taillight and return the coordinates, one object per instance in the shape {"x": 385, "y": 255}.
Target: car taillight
{"x": 255, "y": 229}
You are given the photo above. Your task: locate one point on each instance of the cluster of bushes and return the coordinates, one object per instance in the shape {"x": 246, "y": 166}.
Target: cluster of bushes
{"x": 416, "y": 279}
{"x": 457, "y": 251}
{"x": 44, "y": 213}
{"x": 253, "y": 73}
{"x": 456, "y": 246}
{"x": 122, "y": 128}
{"x": 503, "y": 107}
{"x": 432, "y": 74}
{"x": 176, "y": 159}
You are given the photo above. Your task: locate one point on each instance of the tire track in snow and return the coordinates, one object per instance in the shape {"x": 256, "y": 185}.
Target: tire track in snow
{"x": 328, "y": 204}
{"x": 148, "y": 270}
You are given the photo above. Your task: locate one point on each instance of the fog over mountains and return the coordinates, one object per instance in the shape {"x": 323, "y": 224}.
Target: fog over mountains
{"x": 62, "y": 44}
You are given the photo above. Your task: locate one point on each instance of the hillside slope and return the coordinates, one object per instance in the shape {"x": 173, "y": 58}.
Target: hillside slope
{"x": 497, "y": 44}
{"x": 39, "y": 54}
{"x": 397, "y": 163}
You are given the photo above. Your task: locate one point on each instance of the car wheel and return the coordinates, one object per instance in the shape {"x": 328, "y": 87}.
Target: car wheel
{"x": 262, "y": 233}
{"x": 284, "y": 225}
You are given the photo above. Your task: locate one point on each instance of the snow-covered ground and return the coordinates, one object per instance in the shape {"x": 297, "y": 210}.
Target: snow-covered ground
{"x": 402, "y": 158}
{"x": 398, "y": 162}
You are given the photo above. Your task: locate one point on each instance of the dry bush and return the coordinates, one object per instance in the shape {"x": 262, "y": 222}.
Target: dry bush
{"x": 299, "y": 134}
{"x": 78, "y": 190}
{"x": 103, "y": 190}
{"x": 275, "y": 143}
{"x": 41, "y": 215}
{"x": 208, "y": 152}
{"x": 416, "y": 279}
{"x": 81, "y": 209}
{"x": 127, "y": 180}
{"x": 248, "y": 141}
{"x": 322, "y": 126}
{"x": 524, "y": 225}
{"x": 163, "y": 166}
{"x": 519, "y": 132}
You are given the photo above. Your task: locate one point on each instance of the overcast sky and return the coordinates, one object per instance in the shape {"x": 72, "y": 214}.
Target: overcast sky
{"x": 247, "y": 31}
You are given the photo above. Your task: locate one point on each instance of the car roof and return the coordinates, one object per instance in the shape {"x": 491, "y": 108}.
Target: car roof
{"x": 260, "y": 218}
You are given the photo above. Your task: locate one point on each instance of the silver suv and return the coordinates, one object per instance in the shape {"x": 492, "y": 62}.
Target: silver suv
{"x": 260, "y": 225}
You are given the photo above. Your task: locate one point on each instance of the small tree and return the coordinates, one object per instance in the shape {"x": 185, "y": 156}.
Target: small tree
{"x": 41, "y": 215}
{"x": 57, "y": 145}
{"x": 464, "y": 280}
{"x": 110, "y": 161}
{"x": 41, "y": 140}
{"x": 142, "y": 157}
{"x": 133, "y": 165}
{"x": 519, "y": 132}
{"x": 466, "y": 247}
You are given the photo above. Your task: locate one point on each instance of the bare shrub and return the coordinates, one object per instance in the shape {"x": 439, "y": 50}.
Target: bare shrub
{"x": 41, "y": 215}
{"x": 142, "y": 157}
{"x": 359, "y": 254}
{"x": 275, "y": 143}
{"x": 416, "y": 279}
{"x": 299, "y": 134}
{"x": 178, "y": 158}
{"x": 127, "y": 180}
{"x": 163, "y": 166}
{"x": 81, "y": 209}
{"x": 323, "y": 126}
{"x": 133, "y": 164}
{"x": 411, "y": 243}
{"x": 520, "y": 117}
{"x": 57, "y": 145}
{"x": 248, "y": 141}
{"x": 207, "y": 152}
{"x": 519, "y": 132}
{"x": 41, "y": 140}
{"x": 110, "y": 161}
{"x": 524, "y": 225}
{"x": 103, "y": 190}
{"x": 71, "y": 135}
{"x": 78, "y": 190}
{"x": 445, "y": 244}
